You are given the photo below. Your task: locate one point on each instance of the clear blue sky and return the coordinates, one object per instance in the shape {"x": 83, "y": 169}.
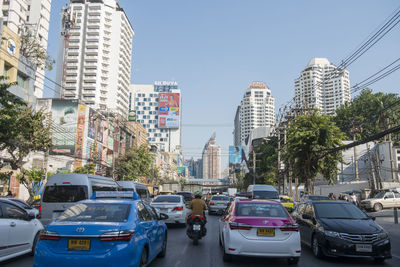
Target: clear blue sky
{"x": 215, "y": 48}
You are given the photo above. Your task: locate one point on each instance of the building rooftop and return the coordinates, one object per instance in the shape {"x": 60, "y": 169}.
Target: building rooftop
{"x": 318, "y": 61}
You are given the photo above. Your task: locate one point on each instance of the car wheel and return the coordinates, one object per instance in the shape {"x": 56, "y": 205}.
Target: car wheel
{"x": 164, "y": 248}
{"x": 378, "y": 207}
{"x": 293, "y": 260}
{"x": 316, "y": 248}
{"x": 143, "y": 258}
{"x": 34, "y": 243}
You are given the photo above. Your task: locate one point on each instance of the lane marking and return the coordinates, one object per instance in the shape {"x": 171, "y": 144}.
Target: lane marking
{"x": 398, "y": 257}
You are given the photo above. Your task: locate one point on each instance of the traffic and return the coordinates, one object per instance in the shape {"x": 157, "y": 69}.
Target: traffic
{"x": 85, "y": 220}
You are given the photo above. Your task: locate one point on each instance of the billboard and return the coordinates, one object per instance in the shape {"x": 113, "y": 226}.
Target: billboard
{"x": 168, "y": 110}
{"x": 91, "y": 124}
{"x": 79, "y": 136}
{"x": 180, "y": 171}
{"x": 64, "y": 124}
{"x": 235, "y": 154}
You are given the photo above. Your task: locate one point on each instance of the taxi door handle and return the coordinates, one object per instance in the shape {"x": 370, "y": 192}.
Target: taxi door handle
{"x": 13, "y": 224}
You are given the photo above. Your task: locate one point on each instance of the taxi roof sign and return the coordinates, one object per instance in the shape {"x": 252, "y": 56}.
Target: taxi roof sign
{"x": 115, "y": 194}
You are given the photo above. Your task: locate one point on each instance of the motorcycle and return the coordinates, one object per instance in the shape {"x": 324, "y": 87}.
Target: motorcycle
{"x": 196, "y": 228}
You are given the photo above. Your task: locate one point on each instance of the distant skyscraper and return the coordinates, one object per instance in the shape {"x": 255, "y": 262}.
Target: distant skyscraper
{"x": 163, "y": 130}
{"x": 94, "y": 56}
{"x": 257, "y": 109}
{"x": 211, "y": 160}
{"x": 35, "y": 15}
{"x": 323, "y": 86}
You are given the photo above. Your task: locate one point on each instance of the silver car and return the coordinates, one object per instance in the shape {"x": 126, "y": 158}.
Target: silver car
{"x": 381, "y": 201}
{"x": 218, "y": 204}
{"x": 172, "y": 205}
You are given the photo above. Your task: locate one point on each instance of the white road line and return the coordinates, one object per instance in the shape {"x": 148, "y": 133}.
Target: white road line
{"x": 395, "y": 256}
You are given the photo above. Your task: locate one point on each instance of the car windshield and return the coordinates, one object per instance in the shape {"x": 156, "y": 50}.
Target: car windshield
{"x": 286, "y": 200}
{"x": 260, "y": 210}
{"x": 224, "y": 198}
{"x": 167, "y": 199}
{"x": 339, "y": 211}
{"x": 91, "y": 212}
{"x": 65, "y": 193}
{"x": 265, "y": 195}
{"x": 380, "y": 195}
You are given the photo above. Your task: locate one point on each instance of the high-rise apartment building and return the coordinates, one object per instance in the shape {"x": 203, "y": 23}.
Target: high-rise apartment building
{"x": 257, "y": 109}
{"x": 35, "y": 16}
{"x": 323, "y": 86}
{"x": 94, "y": 56}
{"x": 158, "y": 109}
{"x": 211, "y": 159}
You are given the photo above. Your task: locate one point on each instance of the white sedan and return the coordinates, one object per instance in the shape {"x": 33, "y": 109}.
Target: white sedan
{"x": 19, "y": 230}
{"x": 261, "y": 228}
{"x": 172, "y": 205}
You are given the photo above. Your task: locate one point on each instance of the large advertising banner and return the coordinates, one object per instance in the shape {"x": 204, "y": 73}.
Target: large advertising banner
{"x": 180, "y": 171}
{"x": 91, "y": 124}
{"x": 79, "y": 136}
{"x": 64, "y": 124}
{"x": 235, "y": 154}
{"x": 168, "y": 110}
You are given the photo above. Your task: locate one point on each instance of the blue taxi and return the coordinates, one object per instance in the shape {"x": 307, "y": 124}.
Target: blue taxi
{"x": 110, "y": 229}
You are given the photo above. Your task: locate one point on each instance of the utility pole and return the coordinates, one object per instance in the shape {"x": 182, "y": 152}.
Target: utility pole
{"x": 287, "y": 165}
{"x": 391, "y": 154}
{"x": 372, "y": 171}
{"x": 254, "y": 166}
{"x": 279, "y": 161}
{"x": 378, "y": 167}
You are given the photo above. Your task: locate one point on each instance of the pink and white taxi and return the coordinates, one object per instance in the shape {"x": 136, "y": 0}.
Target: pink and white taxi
{"x": 259, "y": 228}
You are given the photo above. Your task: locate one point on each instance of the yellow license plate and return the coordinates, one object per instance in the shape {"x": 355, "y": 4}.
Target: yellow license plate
{"x": 78, "y": 244}
{"x": 266, "y": 231}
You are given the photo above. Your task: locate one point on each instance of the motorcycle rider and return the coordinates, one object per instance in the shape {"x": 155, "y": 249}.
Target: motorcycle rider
{"x": 197, "y": 205}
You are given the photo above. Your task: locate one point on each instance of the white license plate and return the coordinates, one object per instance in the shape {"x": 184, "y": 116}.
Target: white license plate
{"x": 196, "y": 227}
{"x": 363, "y": 248}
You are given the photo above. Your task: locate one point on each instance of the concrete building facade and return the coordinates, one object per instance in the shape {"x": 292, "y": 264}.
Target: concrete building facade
{"x": 323, "y": 86}
{"x": 211, "y": 160}
{"x": 144, "y": 102}
{"x": 94, "y": 55}
{"x": 35, "y": 16}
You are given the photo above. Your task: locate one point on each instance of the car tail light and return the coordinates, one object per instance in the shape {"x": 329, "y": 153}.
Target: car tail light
{"x": 49, "y": 235}
{"x": 66, "y": 183}
{"x": 239, "y": 226}
{"x": 40, "y": 208}
{"x": 117, "y": 236}
{"x": 177, "y": 208}
{"x": 211, "y": 203}
{"x": 290, "y": 228}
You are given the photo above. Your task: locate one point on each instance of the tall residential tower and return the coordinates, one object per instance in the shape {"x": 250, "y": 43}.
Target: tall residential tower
{"x": 323, "y": 86}
{"x": 257, "y": 109}
{"x": 94, "y": 56}
{"x": 211, "y": 159}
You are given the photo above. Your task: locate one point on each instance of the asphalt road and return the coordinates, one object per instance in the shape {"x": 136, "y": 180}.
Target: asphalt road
{"x": 182, "y": 253}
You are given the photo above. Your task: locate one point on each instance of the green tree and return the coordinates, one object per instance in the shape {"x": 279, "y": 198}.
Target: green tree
{"x": 368, "y": 114}
{"x": 136, "y": 163}
{"x": 308, "y": 139}
{"x": 31, "y": 179}
{"x": 182, "y": 182}
{"x": 267, "y": 156}
{"x": 89, "y": 168}
{"x": 32, "y": 49}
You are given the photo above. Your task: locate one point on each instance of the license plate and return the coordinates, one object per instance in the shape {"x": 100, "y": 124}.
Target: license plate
{"x": 363, "y": 248}
{"x": 266, "y": 231}
{"x": 196, "y": 227}
{"x": 78, "y": 244}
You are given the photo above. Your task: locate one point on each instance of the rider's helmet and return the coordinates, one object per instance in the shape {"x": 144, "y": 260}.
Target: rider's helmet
{"x": 197, "y": 194}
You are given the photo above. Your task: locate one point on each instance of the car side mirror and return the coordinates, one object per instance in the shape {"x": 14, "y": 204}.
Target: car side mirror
{"x": 163, "y": 216}
{"x": 151, "y": 196}
{"x": 306, "y": 217}
{"x": 372, "y": 217}
{"x": 30, "y": 216}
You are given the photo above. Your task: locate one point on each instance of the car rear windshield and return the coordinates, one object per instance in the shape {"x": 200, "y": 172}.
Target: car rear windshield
{"x": 339, "y": 211}
{"x": 260, "y": 210}
{"x": 318, "y": 198}
{"x": 90, "y": 212}
{"x": 169, "y": 199}
{"x": 265, "y": 195}
{"x": 224, "y": 198}
{"x": 65, "y": 193}
{"x": 185, "y": 194}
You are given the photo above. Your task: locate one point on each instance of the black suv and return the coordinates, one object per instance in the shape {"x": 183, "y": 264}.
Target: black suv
{"x": 187, "y": 196}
